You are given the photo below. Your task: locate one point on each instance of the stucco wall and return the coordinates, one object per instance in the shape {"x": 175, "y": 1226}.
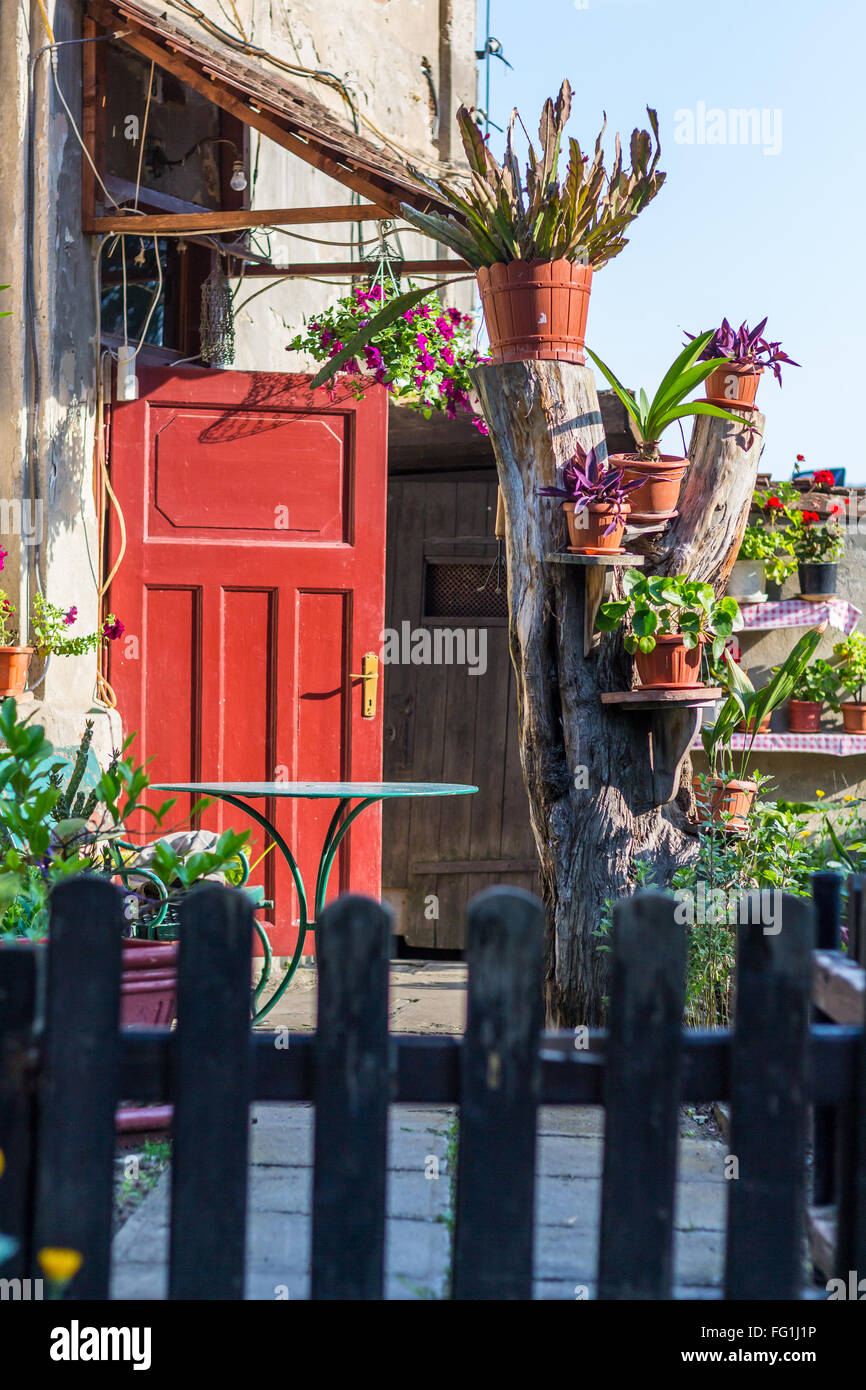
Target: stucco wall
{"x": 48, "y": 384}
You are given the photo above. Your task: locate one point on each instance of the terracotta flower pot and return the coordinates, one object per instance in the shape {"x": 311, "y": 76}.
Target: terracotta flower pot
{"x": 669, "y": 665}
{"x": 804, "y": 716}
{"x": 818, "y": 579}
{"x": 746, "y": 726}
{"x": 148, "y": 986}
{"x": 663, "y": 479}
{"x": 854, "y": 718}
{"x": 586, "y": 528}
{"x": 730, "y": 386}
{"x": 724, "y": 799}
{"x": 14, "y": 665}
{"x": 535, "y": 310}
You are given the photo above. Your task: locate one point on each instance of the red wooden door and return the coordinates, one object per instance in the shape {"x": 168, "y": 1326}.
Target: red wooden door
{"x": 252, "y": 584}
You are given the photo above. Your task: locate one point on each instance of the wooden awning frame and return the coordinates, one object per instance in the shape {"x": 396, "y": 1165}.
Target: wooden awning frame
{"x": 275, "y": 108}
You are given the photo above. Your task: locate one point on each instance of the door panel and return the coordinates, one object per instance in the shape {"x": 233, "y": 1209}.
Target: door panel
{"x": 253, "y": 581}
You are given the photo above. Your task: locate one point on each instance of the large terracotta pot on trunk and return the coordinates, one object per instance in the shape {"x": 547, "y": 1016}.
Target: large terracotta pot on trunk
{"x": 854, "y": 718}
{"x": 804, "y": 716}
{"x": 586, "y": 528}
{"x": 535, "y": 310}
{"x": 730, "y": 386}
{"x": 723, "y": 799}
{"x": 662, "y": 480}
{"x": 14, "y": 665}
{"x": 670, "y": 665}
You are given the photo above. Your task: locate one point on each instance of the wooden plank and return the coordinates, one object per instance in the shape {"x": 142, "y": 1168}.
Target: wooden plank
{"x": 856, "y": 918}
{"x": 79, "y": 1085}
{"x": 851, "y": 1136}
{"x": 769, "y": 1104}
{"x": 362, "y": 268}
{"x": 475, "y": 866}
{"x": 18, "y": 985}
{"x": 660, "y": 699}
{"x": 500, "y": 1089}
{"x": 88, "y": 123}
{"x": 351, "y": 1095}
{"x": 641, "y": 1096}
{"x": 238, "y": 221}
{"x": 212, "y": 1081}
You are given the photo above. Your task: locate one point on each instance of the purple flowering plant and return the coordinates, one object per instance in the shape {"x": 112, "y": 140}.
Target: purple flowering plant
{"x": 422, "y": 356}
{"x": 587, "y": 478}
{"x": 745, "y": 347}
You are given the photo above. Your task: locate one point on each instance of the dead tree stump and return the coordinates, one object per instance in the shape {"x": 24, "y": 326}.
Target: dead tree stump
{"x": 602, "y": 783}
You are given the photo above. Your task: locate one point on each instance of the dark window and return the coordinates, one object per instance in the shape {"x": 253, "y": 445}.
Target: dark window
{"x": 465, "y": 589}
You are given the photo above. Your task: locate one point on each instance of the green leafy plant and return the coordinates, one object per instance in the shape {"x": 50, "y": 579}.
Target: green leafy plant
{"x": 745, "y": 702}
{"x": 818, "y": 683}
{"x": 504, "y": 216}
{"x": 814, "y": 543}
{"x": 50, "y": 628}
{"x": 849, "y": 659}
{"x": 662, "y": 605}
{"x": 651, "y": 417}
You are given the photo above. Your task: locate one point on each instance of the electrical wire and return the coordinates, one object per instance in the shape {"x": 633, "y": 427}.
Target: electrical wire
{"x": 143, "y": 134}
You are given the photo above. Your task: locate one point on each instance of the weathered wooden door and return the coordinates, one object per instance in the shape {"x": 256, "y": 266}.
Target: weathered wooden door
{"x": 251, "y": 586}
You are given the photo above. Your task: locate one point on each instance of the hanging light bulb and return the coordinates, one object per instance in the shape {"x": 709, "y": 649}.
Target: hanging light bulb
{"x": 238, "y": 179}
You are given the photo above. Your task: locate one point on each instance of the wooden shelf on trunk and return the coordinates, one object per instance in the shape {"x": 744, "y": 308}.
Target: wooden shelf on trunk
{"x": 663, "y": 699}
{"x": 597, "y": 583}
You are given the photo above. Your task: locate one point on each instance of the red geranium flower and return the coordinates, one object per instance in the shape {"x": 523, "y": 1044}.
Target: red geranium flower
{"x": 824, "y": 478}
{"x": 809, "y": 518}
{"x": 834, "y": 511}
{"x": 773, "y": 504}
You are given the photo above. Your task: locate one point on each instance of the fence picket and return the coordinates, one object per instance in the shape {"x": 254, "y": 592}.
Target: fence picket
{"x": 769, "y": 1104}
{"x": 212, "y": 1091}
{"x": 500, "y": 1088}
{"x": 18, "y": 979}
{"x": 79, "y": 1084}
{"x": 641, "y": 1096}
{"x": 351, "y": 1095}
{"x": 827, "y": 901}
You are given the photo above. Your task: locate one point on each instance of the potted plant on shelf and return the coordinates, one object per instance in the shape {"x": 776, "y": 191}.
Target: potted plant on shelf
{"x": 50, "y": 626}
{"x": 594, "y": 503}
{"x": 818, "y": 685}
{"x": 670, "y": 620}
{"x": 817, "y": 548}
{"x": 850, "y": 664}
{"x": 532, "y": 240}
{"x": 730, "y": 790}
{"x": 739, "y": 356}
{"x": 662, "y": 474}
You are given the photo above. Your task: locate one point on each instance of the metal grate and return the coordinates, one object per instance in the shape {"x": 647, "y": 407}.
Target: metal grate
{"x": 465, "y": 589}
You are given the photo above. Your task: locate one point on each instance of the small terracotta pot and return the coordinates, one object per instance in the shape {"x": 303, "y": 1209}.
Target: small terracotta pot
{"x": 804, "y": 716}
{"x": 663, "y": 479}
{"x": 586, "y": 528}
{"x": 732, "y": 799}
{"x": 747, "y": 726}
{"x": 14, "y": 665}
{"x": 669, "y": 665}
{"x": 730, "y": 386}
{"x": 854, "y": 718}
{"x": 535, "y": 310}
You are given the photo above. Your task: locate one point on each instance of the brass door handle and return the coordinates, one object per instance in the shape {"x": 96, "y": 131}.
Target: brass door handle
{"x": 369, "y": 674}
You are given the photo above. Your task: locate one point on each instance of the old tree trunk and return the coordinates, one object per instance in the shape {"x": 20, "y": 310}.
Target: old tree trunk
{"x": 606, "y": 787}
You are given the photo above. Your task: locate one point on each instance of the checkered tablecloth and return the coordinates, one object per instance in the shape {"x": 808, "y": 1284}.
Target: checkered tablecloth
{"x": 796, "y": 612}
{"x": 838, "y": 745}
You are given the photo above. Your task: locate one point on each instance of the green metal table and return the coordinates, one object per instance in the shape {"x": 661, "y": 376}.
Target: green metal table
{"x": 344, "y": 793}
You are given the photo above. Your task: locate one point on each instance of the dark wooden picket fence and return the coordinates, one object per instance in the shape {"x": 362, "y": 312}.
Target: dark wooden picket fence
{"x": 64, "y": 1063}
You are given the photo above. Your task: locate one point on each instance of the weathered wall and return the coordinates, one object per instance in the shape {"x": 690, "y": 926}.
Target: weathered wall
{"x": 48, "y": 382}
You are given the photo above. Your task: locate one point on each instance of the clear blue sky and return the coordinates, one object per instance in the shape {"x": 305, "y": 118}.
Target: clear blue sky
{"x": 734, "y": 231}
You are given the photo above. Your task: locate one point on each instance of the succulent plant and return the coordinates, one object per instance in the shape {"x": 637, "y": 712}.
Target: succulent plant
{"x": 505, "y": 216}
{"x": 587, "y": 479}
{"x": 745, "y": 347}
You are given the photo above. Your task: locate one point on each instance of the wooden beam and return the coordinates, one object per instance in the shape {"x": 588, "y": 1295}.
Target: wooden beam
{"x": 359, "y": 268}
{"x": 237, "y": 221}
{"x": 250, "y": 114}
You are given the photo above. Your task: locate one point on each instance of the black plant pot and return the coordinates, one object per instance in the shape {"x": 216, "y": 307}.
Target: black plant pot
{"x": 818, "y": 579}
